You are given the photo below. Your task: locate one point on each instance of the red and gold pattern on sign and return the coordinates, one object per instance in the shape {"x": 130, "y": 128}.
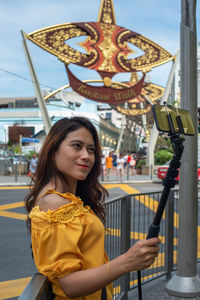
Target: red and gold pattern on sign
{"x": 107, "y": 51}
{"x": 104, "y": 94}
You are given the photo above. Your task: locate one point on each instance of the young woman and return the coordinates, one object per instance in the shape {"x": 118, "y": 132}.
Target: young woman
{"x": 66, "y": 216}
{"x": 120, "y": 164}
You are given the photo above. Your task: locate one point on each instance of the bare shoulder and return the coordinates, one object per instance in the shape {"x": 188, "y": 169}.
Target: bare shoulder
{"x": 51, "y": 202}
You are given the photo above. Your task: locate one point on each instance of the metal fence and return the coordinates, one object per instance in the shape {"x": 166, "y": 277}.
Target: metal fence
{"x": 128, "y": 220}
{"x": 10, "y": 167}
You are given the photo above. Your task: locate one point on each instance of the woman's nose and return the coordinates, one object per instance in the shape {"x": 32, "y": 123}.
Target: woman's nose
{"x": 85, "y": 153}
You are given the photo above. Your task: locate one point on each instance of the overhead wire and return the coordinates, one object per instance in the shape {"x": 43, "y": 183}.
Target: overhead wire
{"x": 24, "y": 78}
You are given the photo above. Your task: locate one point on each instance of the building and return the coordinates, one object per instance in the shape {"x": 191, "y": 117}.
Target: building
{"x": 25, "y": 113}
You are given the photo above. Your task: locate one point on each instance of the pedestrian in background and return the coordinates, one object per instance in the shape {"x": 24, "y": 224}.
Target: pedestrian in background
{"x": 125, "y": 156}
{"x": 114, "y": 164}
{"x": 109, "y": 166}
{"x": 103, "y": 167}
{"x": 66, "y": 208}
{"x": 120, "y": 167}
{"x": 33, "y": 166}
{"x": 132, "y": 163}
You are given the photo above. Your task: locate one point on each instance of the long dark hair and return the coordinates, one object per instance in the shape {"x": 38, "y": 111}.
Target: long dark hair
{"x": 89, "y": 190}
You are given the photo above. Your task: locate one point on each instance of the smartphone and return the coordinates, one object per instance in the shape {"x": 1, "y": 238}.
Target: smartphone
{"x": 160, "y": 113}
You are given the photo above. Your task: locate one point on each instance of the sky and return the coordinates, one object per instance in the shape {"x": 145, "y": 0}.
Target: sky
{"x": 158, "y": 20}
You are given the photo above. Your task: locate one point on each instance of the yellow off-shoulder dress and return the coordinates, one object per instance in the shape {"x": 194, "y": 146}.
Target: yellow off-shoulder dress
{"x": 68, "y": 239}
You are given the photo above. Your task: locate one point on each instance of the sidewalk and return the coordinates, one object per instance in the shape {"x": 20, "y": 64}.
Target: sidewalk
{"x": 155, "y": 290}
{"x": 24, "y": 180}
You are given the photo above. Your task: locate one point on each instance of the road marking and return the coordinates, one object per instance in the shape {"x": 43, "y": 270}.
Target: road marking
{"x": 10, "y": 214}
{"x": 14, "y": 187}
{"x": 139, "y": 235}
{"x": 147, "y": 201}
{"x": 144, "y": 199}
{"x": 11, "y": 205}
{"x": 12, "y": 288}
{"x": 13, "y": 215}
{"x": 134, "y": 282}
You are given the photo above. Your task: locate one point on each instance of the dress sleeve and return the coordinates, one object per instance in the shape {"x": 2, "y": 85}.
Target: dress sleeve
{"x": 55, "y": 249}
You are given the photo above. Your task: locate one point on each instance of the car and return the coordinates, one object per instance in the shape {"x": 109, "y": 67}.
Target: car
{"x": 162, "y": 171}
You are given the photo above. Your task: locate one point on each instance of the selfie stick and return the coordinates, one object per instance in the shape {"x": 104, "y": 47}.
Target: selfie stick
{"x": 169, "y": 181}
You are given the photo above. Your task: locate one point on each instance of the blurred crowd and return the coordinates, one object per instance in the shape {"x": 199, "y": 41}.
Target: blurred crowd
{"x": 120, "y": 165}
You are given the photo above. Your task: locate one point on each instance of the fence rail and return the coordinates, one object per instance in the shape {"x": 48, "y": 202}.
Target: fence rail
{"x": 128, "y": 220}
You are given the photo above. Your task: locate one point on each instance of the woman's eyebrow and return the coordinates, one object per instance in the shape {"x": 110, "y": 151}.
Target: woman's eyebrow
{"x": 81, "y": 142}
{"x": 72, "y": 141}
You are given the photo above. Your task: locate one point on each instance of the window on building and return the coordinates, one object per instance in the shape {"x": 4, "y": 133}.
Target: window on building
{"x": 108, "y": 115}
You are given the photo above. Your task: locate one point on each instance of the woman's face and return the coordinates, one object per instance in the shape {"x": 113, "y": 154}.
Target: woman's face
{"x": 76, "y": 155}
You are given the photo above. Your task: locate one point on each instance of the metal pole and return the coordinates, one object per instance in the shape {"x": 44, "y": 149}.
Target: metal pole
{"x": 125, "y": 239}
{"x": 169, "y": 236}
{"x": 154, "y": 131}
{"x": 40, "y": 99}
{"x": 123, "y": 124}
{"x": 16, "y": 172}
{"x": 121, "y": 133}
{"x": 20, "y": 155}
{"x": 186, "y": 283}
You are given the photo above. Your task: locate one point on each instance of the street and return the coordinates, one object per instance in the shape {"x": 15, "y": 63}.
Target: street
{"x": 16, "y": 264}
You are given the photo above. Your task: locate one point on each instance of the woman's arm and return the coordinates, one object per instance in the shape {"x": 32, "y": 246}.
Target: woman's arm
{"x": 85, "y": 282}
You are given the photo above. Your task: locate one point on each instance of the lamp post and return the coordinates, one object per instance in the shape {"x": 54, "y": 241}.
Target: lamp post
{"x": 186, "y": 283}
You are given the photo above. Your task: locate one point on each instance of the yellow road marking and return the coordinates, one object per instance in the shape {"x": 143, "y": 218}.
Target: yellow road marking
{"x": 13, "y": 288}
{"x": 129, "y": 189}
{"x": 138, "y": 235}
{"x": 111, "y": 186}
{"x": 116, "y": 290}
{"x": 134, "y": 282}
{"x": 12, "y": 215}
{"x": 14, "y": 187}
{"x": 11, "y": 205}
{"x": 146, "y": 200}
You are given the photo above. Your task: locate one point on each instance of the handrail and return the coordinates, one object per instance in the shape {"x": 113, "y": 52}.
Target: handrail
{"x": 36, "y": 289}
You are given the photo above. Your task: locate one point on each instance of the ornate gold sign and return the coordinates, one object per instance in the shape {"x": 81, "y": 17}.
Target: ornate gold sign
{"x": 107, "y": 52}
{"x": 141, "y": 104}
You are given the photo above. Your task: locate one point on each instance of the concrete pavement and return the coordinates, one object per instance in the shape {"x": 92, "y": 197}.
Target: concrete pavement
{"x": 12, "y": 180}
{"x": 155, "y": 290}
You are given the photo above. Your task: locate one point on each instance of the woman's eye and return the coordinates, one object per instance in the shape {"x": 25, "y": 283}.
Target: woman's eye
{"x": 91, "y": 150}
{"x": 77, "y": 146}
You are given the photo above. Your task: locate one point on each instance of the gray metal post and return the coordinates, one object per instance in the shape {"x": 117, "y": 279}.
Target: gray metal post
{"x": 125, "y": 239}
{"x": 40, "y": 99}
{"x": 169, "y": 235}
{"x": 16, "y": 172}
{"x": 186, "y": 283}
{"x": 120, "y": 135}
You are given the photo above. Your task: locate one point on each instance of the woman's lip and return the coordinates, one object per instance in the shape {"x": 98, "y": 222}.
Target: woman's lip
{"x": 84, "y": 166}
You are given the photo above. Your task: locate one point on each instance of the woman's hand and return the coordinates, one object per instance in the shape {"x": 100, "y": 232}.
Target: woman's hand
{"x": 141, "y": 255}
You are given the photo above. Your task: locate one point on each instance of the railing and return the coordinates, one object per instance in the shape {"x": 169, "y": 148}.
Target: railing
{"x": 128, "y": 220}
